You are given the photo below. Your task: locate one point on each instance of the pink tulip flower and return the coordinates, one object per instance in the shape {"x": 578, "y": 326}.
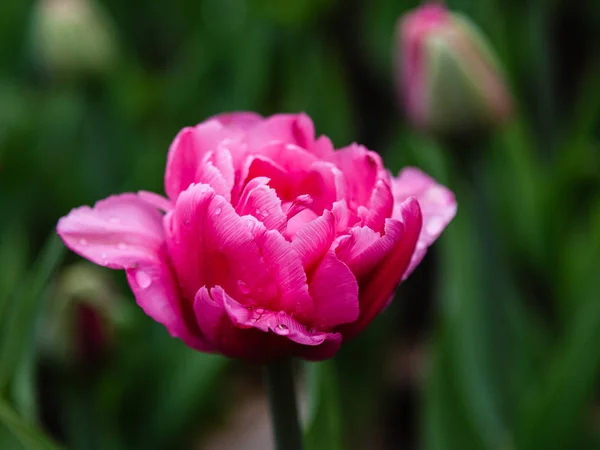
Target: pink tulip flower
{"x": 270, "y": 243}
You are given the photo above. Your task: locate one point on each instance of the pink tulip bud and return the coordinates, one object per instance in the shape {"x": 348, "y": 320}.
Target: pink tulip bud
{"x": 270, "y": 243}
{"x": 448, "y": 74}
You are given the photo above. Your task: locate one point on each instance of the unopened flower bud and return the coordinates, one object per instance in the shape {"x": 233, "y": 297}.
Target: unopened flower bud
{"x": 448, "y": 75}
{"x": 72, "y": 38}
{"x": 82, "y": 317}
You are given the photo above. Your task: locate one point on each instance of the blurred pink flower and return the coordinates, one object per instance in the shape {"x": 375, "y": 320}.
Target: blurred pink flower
{"x": 271, "y": 243}
{"x": 448, "y": 74}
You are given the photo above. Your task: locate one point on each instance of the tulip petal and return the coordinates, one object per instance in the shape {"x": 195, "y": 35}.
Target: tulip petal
{"x": 125, "y": 232}
{"x": 188, "y": 153}
{"x": 279, "y": 323}
{"x": 242, "y": 120}
{"x": 254, "y": 334}
{"x": 380, "y": 208}
{"x": 226, "y": 338}
{"x": 325, "y": 183}
{"x": 314, "y": 239}
{"x": 280, "y": 180}
{"x": 437, "y": 203}
{"x": 335, "y": 292}
{"x": 377, "y": 291}
{"x": 210, "y": 244}
{"x": 295, "y": 129}
{"x": 156, "y": 293}
{"x": 326, "y": 350}
{"x": 117, "y": 232}
{"x": 157, "y": 201}
{"x": 260, "y": 201}
{"x": 364, "y": 248}
{"x": 285, "y": 266}
{"x": 361, "y": 168}
{"x": 290, "y": 156}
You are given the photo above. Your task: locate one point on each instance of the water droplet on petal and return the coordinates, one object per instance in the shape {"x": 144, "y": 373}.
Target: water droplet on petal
{"x": 121, "y": 245}
{"x": 259, "y": 311}
{"x": 265, "y": 213}
{"x": 186, "y": 222}
{"x": 142, "y": 279}
{"x": 83, "y": 242}
{"x": 217, "y": 211}
{"x": 114, "y": 220}
{"x": 103, "y": 255}
{"x": 258, "y": 212}
{"x": 282, "y": 329}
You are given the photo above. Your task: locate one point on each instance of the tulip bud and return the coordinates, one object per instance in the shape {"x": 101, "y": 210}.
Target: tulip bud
{"x": 81, "y": 318}
{"x": 448, "y": 74}
{"x": 72, "y": 38}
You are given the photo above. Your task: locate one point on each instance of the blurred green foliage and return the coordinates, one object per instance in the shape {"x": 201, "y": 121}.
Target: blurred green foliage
{"x": 510, "y": 293}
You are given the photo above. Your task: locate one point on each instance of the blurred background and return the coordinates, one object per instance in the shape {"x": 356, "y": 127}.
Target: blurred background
{"x": 493, "y": 343}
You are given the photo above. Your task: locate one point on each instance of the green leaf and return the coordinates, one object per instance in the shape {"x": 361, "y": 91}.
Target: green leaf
{"x": 29, "y": 437}
{"x": 13, "y": 260}
{"x": 189, "y": 382}
{"x": 323, "y": 428}
{"x": 468, "y": 326}
{"x": 563, "y": 397}
{"x": 18, "y": 333}
{"x": 446, "y": 424}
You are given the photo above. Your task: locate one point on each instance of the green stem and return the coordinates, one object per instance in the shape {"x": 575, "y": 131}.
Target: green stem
{"x": 279, "y": 378}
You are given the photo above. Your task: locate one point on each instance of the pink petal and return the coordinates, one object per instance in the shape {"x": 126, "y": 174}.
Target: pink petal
{"x": 364, "y": 248}
{"x": 377, "y": 290}
{"x": 117, "y": 233}
{"x": 260, "y": 201}
{"x": 264, "y": 320}
{"x": 437, "y": 202}
{"x": 242, "y": 120}
{"x": 295, "y": 129}
{"x": 125, "y": 232}
{"x": 335, "y": 293}
{"x": 222, "y": 160}
{"x": 343, "y": 216}
{"x": 325, "y": 183}
{"x": 314, "y": 239}
{"x": 210, "y": 244}
{"x": 290, "y": 156}
{"x": 189, "y": 149}
{"x": 380, "y": 207}
{"x": 208, "y": 173}
{"x": 285, "y": 266}
{"x": 254, "y": 334}
{"x": 299, "y": 221}
{"x": 301, "y": 203}
{"x": 280, "y": 179}
{"x": 323, "y": 148}
{"x": 155, "y": 200}
{"x": 220, "y": 333}
{"x": 156, "y": 293}
{"x": 326, "y": 350}
{"x": 361, "y": 168}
